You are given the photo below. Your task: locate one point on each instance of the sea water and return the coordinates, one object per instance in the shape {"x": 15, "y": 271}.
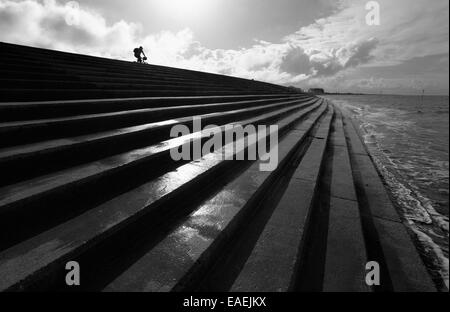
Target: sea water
{"x": 408, "y": 137}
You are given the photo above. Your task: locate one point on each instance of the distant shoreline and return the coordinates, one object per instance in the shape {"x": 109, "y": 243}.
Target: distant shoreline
{"x": 387, "y": 94}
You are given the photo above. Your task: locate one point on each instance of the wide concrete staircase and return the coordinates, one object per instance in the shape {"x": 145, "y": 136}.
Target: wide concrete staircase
{"x": 30, "y": 74}
{"x": 87, "y": 176}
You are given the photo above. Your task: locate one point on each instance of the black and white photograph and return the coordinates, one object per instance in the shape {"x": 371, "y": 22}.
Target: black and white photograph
{"x": 224, "y": 151}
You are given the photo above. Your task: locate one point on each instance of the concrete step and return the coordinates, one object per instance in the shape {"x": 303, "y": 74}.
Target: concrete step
{"x": 26, "y": 74}
{"x": 95, "y": 72}
{"x": 38, "y": 197}
{"x": 20, "y": 162}
{"x": 190, "y": 175}
{"x": 104, "y": 66}
{"x": 127, "y": 73}
{"x": 127, "y": 68}
{"x": 78, "y": 70}
{"x": 207, "y": 229}
{"x": 22, "y": 132}
{"x": 350, "y": 241}
{"x": 45, "y": 84}
{"x": 150, "y": 76}
{"x": 273, "y": 267}
{"x": 124, "y": 85}
{"x": 60, "y": 94}
{"x": 59, "y": 59}
{"x": 402, "y": 269}
{"x": 114, "y": 66}
{"x": 46, "y": 72}
{"x": 134, "y": 79}
{"x": 168, "y": 86}
{"x": 140, "y": 78}
{"x": 16, "y": 111}
{"x": 123, "y": 71}
{"x": 34, "y": 68}
{"x": 344, "y": 238}
{"x": 346, "y": 256}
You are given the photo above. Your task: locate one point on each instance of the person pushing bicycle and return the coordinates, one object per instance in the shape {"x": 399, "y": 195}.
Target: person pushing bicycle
{"x": 138, "y": 52}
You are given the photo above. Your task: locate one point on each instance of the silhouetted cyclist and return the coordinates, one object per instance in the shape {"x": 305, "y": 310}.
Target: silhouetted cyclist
{"x": 138, "y": 52}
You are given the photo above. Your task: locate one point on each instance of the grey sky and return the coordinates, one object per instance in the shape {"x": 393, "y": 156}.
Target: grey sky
{"x": 293, "y": 42}
{"x": 227, "y": 24}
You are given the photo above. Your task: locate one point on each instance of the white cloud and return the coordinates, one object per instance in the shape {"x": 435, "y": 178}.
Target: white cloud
{"x": 409, "y": 28}
{"x": 47, "y": 24}
{"x": 316, "y": 54}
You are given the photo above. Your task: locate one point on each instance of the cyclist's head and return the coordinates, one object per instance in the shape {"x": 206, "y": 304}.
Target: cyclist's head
{"x": 141, "y": 48}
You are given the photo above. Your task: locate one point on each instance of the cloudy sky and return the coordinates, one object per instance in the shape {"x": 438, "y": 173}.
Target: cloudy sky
{"x": 305, "y": 43}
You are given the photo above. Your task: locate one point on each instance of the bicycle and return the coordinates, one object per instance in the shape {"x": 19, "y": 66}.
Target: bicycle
{"x": 142, "y": 60}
